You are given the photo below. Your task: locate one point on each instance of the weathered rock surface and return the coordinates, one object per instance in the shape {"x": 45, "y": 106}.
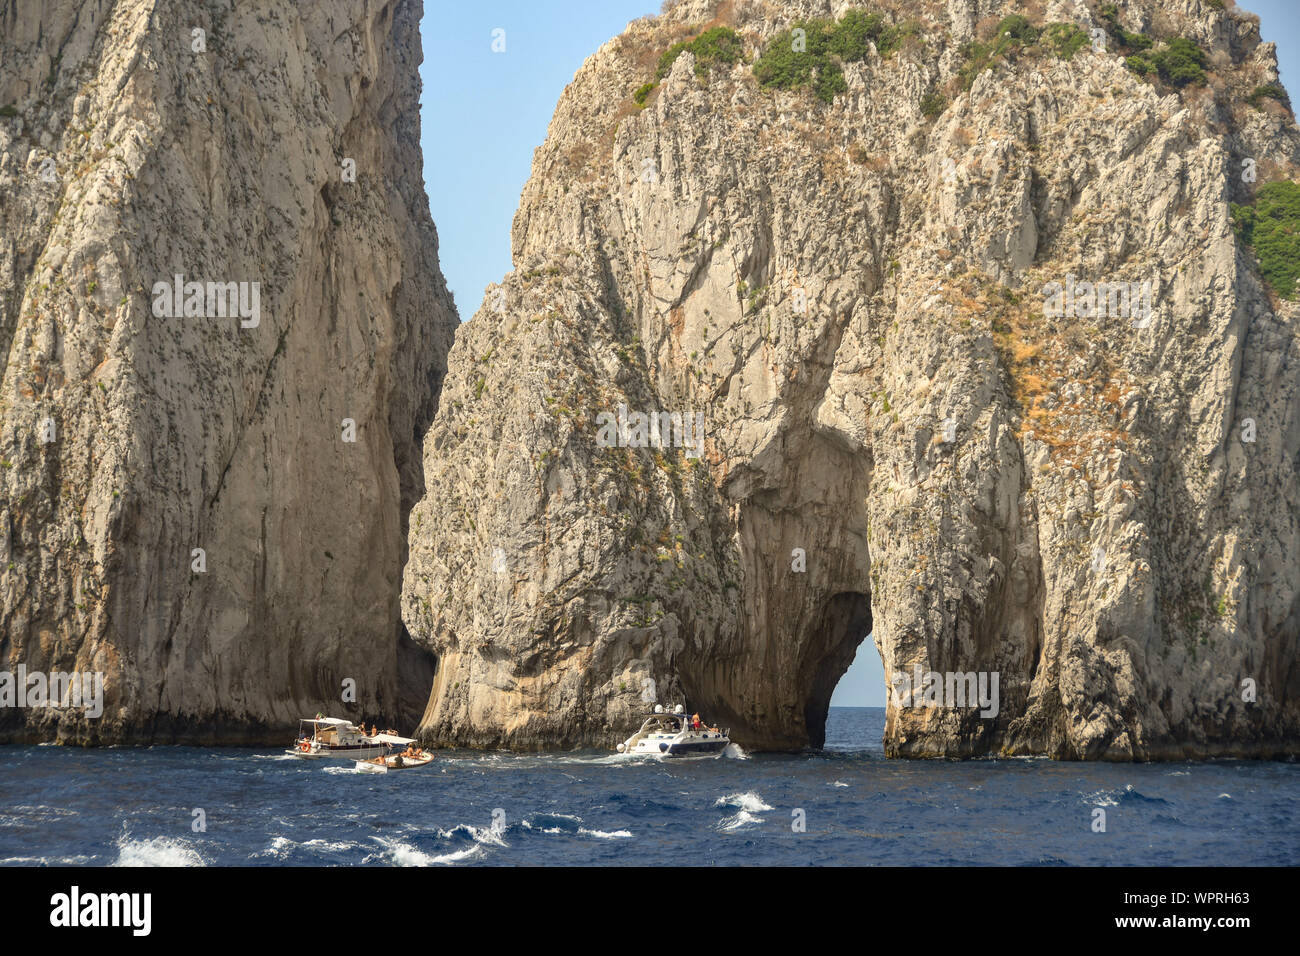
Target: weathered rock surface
{"x": 1095, "y": 531}
{"x": 222, "y": 161}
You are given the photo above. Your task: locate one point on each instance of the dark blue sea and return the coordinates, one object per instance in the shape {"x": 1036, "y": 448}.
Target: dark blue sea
{"x": 126, "y": 806}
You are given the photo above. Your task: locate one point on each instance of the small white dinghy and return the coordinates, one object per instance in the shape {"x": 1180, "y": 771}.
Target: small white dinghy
{"x": 673, "y": 734}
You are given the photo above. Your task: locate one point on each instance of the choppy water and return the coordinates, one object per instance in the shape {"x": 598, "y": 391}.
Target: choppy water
{"x": 135, "y": 806}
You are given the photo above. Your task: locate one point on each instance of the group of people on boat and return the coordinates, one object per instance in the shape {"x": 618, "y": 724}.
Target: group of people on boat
{"x": 697, "y": 725}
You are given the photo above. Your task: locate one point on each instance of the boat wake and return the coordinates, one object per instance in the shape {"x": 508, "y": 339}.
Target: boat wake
{"x": 748, "y": 805}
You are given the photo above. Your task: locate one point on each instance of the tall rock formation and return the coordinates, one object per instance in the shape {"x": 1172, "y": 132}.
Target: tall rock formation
{"x": 141, "y": 141}
{"x": 851, "y": 280}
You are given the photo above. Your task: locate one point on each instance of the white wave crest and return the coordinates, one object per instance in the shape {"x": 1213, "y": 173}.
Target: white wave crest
{"x": 607, "y": 835}
{"x": 749, "y": 801}
{"x": 484, "y": 835}
{"x": 281, "y": 847}
{"x": 742, "y": 819}
{"x": 403, "y": 854}
{"x": 159, "y": 851}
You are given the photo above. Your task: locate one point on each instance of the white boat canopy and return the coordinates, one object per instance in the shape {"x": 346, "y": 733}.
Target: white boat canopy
{"x": 328, "y": 721}
{"x": 390, "y": 739}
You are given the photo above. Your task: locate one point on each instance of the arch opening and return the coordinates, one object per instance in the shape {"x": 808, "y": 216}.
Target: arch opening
{"x": 845, "y": 623}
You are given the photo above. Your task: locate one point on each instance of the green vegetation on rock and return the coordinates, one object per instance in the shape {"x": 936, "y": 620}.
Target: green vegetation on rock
{"x": 1271, "y": 227}
{"x": 715, "y": 46}
{"x": 814, "y": 51}
{"x": 1180, "y": 62}
{"x": 1269, "y": 91}
{"x": 1016, "y": 35}
{"x": 933, "y": 104}
{"x": 1128, "y": 42}
{"x": 1064, "y": 39}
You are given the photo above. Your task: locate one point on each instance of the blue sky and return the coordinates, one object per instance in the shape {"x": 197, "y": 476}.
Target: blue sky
{"x": 483, "y": 113}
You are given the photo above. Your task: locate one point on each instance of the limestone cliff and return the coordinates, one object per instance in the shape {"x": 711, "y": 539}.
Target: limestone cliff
{"x": 141, "y": 140}
{"x": 848, "y": 272}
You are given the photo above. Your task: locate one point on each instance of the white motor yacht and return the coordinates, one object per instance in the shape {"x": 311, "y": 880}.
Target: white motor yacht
{"x": 673, "y": 735}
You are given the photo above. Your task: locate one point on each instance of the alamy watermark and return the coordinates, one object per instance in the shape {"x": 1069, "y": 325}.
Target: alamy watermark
{"x": 949, "y": 689}
{"x": 57, "y": 689}
{"x": 1085, "y": 300}
{"x": 75, "y": 908}
{"x": 208, "y": 300}
{"x": 653, "y": 430}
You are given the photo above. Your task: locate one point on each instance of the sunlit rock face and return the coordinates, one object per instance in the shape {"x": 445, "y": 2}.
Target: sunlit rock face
{"x": 181, "y": 506}
{"x": 915, "y": 424}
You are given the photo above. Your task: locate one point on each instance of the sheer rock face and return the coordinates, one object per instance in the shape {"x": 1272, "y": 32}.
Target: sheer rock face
{"x": 217, "y": 156}
{"x": 852, "y": 296}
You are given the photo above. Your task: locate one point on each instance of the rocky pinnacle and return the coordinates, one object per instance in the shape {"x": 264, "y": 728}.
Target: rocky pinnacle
{"x": 983, "y": 369}
{"x": 223, "y": 332}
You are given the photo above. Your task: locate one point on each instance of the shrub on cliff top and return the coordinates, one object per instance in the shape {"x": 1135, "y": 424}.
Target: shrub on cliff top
{"x": 1271, "y": 227}
{"x": 813, "y": 51}
{"x": 715, "y": 46}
